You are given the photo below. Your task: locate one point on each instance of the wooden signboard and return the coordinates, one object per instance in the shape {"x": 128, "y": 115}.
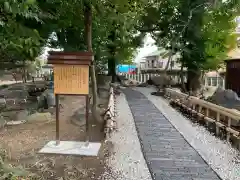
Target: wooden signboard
{"x": 71, "y": 79}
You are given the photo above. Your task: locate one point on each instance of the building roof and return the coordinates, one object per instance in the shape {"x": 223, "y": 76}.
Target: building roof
{"x": 212, "y": 74}
{"x": 162, "y": 53}
{"x": 233, "y": 56}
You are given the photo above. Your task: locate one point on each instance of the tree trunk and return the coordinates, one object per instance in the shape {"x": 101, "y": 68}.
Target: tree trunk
{"x": 168, "y": 62}
{"x": 14, "y": 75}
{"x": 112, "y": 68}
{"x": 24, "y": 78}
{"x": 88, "y": 31}
{"x": 112, "y": 51}
{"x": 182, "y": 79}
{"x": 193, "y": 80}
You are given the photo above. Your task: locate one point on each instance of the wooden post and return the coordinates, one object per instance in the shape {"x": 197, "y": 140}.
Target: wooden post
{"x": 200, "y": 111}
{"x": 57, "y": 119}
{"x": 87, "y": 121}
{"x": 193, "y": 109}
{"x": 223, "y": 86}
{"x": 217, "y": 127}
{"x": 229, "y": 126}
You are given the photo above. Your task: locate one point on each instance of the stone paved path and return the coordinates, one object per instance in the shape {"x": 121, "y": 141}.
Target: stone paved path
{"x": 167, "y": 153}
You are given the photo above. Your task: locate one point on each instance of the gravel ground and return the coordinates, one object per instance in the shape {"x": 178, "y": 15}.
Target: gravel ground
{"x": 218, "y": 154}
{"x": 127, "y": 161}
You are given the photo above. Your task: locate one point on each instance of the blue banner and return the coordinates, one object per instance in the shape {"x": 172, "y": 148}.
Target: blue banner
{"x": 125, "y": 68}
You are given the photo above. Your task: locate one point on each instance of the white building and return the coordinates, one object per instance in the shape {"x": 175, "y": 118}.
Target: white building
{"x": 238, "y": 25}
{"x": 159, "y": 60}
{"x": 46, "y": 69}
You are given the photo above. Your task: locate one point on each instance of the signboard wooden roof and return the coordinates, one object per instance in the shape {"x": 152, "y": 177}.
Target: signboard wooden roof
{"x": 74, "y": 58}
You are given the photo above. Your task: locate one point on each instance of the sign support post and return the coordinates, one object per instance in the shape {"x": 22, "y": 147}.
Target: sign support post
{"x": 57, "y": 120}
{"x": 71, "y": 77}
{"x": 87, "y": 121}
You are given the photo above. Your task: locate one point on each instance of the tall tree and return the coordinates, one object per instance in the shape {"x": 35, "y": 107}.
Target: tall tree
{"x": 111, "y": 32}
{"x": 193, "y": 51}
{"x": 19, "y": 41}
{"x": 193, "y": 29}
{"x": 219, "y": 34}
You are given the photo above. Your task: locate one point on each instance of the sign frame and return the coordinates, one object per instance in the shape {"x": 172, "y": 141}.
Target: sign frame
{"x": 65, "y": 60}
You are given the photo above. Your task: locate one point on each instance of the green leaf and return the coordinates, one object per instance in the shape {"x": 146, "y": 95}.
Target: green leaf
{"x": 31, "y": 52}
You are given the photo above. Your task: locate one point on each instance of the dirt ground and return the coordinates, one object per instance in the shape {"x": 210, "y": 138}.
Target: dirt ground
{"x": 22, "y": 143}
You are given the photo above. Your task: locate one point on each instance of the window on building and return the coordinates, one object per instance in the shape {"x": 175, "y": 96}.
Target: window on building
{"x": 152, "y": 63}
{"x": 214, "y": 81}
{"x": 220, "y": 81}
{"x": 209, "y": 81}
{"x": 160, "y": 64}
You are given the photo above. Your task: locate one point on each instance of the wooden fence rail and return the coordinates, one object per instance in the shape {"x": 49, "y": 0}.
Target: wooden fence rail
{"x": 224, "y": 119}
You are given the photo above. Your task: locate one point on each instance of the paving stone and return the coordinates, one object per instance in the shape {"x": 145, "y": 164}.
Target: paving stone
{"x": 168, "y": 155}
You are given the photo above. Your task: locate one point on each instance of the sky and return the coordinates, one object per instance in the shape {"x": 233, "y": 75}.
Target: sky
{"x": 147, "y": 48}
{"x": 45, "y": 53}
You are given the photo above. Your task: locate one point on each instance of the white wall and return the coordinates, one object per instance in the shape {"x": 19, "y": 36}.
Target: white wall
{"x": 176, "y": 65}
{"x": 159, "y": 62}
{"x": 46, "y": 71}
